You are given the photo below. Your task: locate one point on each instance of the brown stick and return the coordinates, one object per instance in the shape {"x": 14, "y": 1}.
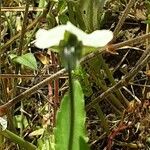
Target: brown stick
{"x": 8, "y": 43}
{"x": 5, "y": 108}
{"x": 20, "y": 9}
{"x": 139, "y": 65}
{"x": 114, "y": 47}
{"x": 122, "y": 19}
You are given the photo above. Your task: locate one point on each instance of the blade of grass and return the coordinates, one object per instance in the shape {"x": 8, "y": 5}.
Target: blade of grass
{"x": 15, "y": 138}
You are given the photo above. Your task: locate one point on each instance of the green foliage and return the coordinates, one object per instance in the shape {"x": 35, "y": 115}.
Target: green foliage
{"x": 63, "y": 121}
{"x": 92, "y": 11}
{"x": 85, "y": 14}
{"x": 27, "y": 60}
{"x": 37, "y": 132}
{"x": 82, "y": 76}
{"x": 46, "y": 142}
{"x": 18, "y": 122}
{"x": 17, "y": 139}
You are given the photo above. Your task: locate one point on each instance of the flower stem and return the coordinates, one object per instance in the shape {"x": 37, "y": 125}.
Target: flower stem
{"x": 72, "y": 109}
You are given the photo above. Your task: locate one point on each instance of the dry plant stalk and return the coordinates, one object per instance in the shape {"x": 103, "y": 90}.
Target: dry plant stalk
{"x": 20, "y": 9}
{"x": 112, "y": 47}
{"x": 122, "y": 19}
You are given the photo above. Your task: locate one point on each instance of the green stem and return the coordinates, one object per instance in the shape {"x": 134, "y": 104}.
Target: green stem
{"x": 112, "y": 80}
{"x": 72, "y": 114}
{"x": 41, "y": 4}
{"x": 112, "y": 99}
{"x": 15, "y": 138}
{"x": 104, "y": 121}
{"x": 90, "y": 16}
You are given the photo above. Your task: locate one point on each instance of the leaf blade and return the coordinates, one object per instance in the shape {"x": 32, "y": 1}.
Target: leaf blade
{"x": 63, "y": 120}
{"x": 27, "y": 60}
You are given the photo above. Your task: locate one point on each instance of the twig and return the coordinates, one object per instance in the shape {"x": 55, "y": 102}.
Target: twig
{"x": 134, "y": 96}
{"x": 122, "y": 19}
{"x": 114, "y": 47}
{"x": 23, "y": 30}
{"x": 139, "y": 65}
{"x": 20, "y": 9}
{"x": 26, "y": 76}
{"x": 4, "y": 108}
{"x": 8, "y": 43}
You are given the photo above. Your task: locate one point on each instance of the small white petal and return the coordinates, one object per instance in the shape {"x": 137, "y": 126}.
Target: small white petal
{"x": 49, "y": 38}
{"x": 52, "y": 37}
{"x": 76, "y": 31}
{"x": 98, "y": 38}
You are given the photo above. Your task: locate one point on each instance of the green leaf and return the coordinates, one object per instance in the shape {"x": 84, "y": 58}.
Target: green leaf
{"x": 46, "y": 142}
{"x": 83, "y": 144}
{"x": 83, "y": 78}
{"x": 87, "y": 49}
{"x": 27, "y": 60}
{"x": 63, "y": 121}
{"x": 37, "y": 132}
{"x": 19, "y": 122}
{"x": 63, "y": 18}
{"x": 91, "y": 12}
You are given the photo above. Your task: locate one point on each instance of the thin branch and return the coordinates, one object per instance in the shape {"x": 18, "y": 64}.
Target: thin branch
{"x": 28, "y": 76}
{"x": 23, "y": 30}
{"x": 139, "y": 65}
{"x": 20, "y": 9}
{"x": 8, "y": 43}
{"x": 122, "y": 19}
{"x": 112, "y": 48}
{"x": 5, "y": 108}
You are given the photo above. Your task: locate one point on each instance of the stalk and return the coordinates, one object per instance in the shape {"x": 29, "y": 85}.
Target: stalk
{"x": 72, "y": 109}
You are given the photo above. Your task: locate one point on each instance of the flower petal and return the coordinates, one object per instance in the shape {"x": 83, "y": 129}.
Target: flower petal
{"x": 52, "y": 37}
{"x": 49, "y": 38}
{"x": 98, "y": 38}
{"x": 76, "y": 31}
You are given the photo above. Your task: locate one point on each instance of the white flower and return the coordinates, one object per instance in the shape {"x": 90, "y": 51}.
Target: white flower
{"x": 52, "y": 37}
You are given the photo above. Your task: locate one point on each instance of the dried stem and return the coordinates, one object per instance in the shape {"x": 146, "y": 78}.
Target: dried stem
{"x": 26, "y": 76}
{"x": 20, "y": 9}
{"x": 4, "y": 108}
{"x": 139, "y": 65}
{"x": 114, "y": 47}
{"x": 122, "y": 19}
{"x": 23, "y": 31}
{"x": 8, "y": 43}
